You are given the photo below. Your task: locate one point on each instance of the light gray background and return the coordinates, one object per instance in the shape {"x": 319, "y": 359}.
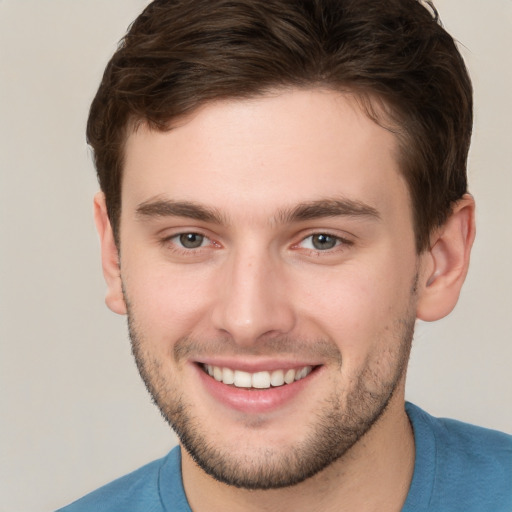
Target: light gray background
{"x": 74, "y": 414}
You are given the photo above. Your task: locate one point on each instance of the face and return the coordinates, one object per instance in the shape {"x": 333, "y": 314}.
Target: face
{"x": 268, "y": 267}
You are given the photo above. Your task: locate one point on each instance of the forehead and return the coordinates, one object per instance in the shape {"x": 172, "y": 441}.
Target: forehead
{"x": 254, "y": 156}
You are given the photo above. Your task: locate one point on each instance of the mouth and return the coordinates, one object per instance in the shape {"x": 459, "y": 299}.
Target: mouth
{"x": 251, "y": 387}
{"x": 257, "y": 380}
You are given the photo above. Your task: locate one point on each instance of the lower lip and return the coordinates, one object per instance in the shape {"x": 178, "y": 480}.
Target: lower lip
{"x": 252, "y": 400}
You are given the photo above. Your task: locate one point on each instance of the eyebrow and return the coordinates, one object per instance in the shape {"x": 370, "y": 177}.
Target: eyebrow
{"x": 188, "y": 209}
{"x": 327, "y": 208}
{"x": 302, "y": 212}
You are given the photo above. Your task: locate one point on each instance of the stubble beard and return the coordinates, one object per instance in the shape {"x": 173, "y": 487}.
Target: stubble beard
{"x": 341, "y": 421}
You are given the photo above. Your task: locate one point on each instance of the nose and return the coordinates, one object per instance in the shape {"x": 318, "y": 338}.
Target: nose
{"x": 253, "y": 302}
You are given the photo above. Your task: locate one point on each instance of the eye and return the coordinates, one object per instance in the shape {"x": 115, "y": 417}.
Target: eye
{"x": 320, "y": 242}
{"x": 190, "y": 240}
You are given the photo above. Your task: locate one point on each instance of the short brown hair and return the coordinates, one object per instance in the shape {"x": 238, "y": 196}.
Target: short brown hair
{"x": 180, "y": 54}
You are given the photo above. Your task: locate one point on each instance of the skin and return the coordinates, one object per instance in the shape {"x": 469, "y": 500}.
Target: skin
{"x": 257, "y": 293}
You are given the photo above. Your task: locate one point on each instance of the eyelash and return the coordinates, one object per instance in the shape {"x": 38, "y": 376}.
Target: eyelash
{"x": 340, "y": 243}
{"x": 173, "y": 241}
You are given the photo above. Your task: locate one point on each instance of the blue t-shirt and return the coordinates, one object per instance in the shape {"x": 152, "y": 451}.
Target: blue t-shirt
{"x": 458, "y": 467}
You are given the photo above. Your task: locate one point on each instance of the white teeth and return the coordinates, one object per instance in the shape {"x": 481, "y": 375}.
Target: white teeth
{"x": 228, "y": 376}
{"x": 277, "y": 378}
{"x": 242, "y": 379}
{"x": 217, "y": 373}
{"x": 303, "y": 372}
{"x": 289, "y": 376}
{"x": 261, "y": 380}
{"x": 258, "y": 380}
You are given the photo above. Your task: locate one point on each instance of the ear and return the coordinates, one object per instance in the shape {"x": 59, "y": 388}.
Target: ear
{"x": 109, "y": 257}
{"x": 445, "y": 264}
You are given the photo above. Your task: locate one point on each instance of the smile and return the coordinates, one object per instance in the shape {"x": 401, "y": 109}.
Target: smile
{"x": 257, "y": 380}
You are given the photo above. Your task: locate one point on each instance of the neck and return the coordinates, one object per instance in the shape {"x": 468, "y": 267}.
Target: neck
{"x": 375, "y": 474}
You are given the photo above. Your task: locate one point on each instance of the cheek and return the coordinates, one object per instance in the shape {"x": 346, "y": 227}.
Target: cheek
{"x": 361, "y": 306}
{"x": 167, "y": 305}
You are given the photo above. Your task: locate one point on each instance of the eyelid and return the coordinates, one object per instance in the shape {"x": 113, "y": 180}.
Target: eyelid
{"x": 341, "y": 242}
{"x": 336, "y": 241}
{"x": 172, "y": 238}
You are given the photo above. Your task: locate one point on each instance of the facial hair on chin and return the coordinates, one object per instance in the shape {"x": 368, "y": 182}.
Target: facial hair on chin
{"x": 341, "y": 421}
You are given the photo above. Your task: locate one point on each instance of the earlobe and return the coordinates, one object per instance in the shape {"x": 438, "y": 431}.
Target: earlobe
{"x": 446, "y": 263}
{"x": 109, "y": 257}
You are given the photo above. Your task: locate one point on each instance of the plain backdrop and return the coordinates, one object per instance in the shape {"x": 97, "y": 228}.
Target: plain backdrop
{"x": 74, "y": 413}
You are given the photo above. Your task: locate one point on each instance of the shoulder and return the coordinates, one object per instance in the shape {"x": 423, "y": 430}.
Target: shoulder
{"x": 478, "y": 443}
{"x": 462, "y": 442}
{"x": 139, "y": 490}
{"x": 462, "y": 464}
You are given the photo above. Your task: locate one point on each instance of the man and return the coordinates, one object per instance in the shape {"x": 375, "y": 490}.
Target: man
{"x": 283, "y": 194}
